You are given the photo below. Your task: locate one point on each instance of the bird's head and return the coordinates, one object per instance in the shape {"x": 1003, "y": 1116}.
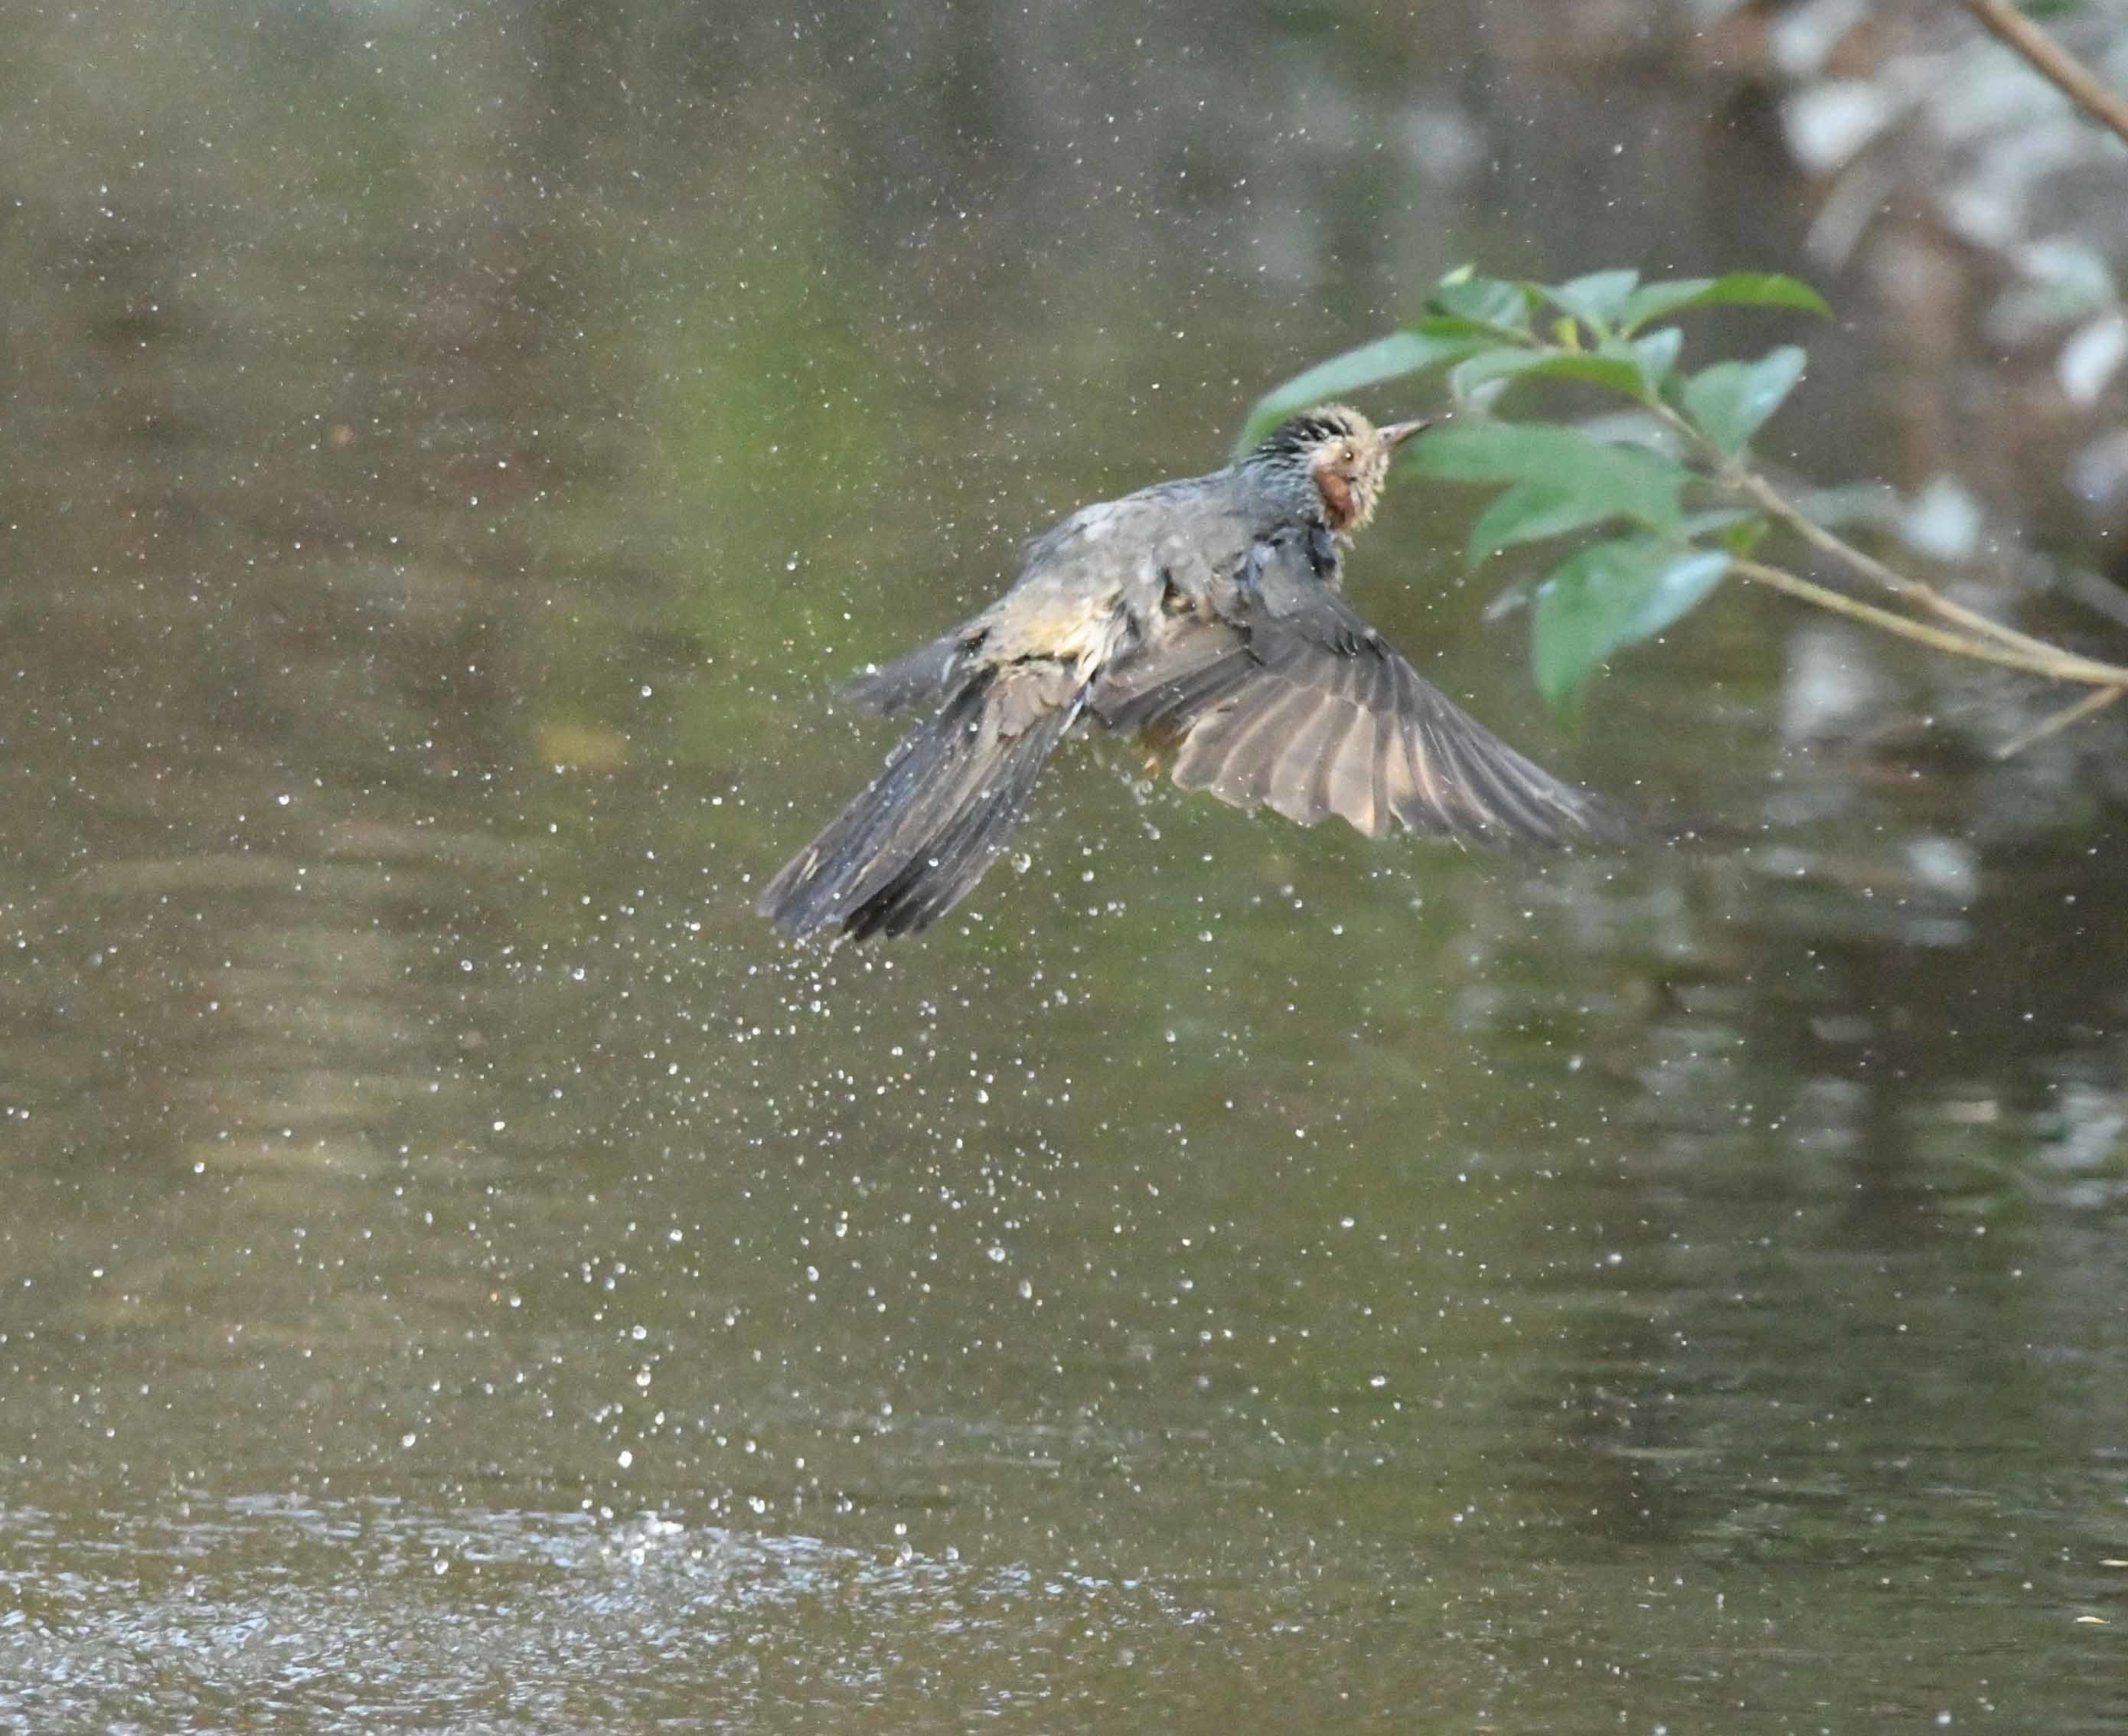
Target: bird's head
{"x": 1342, "y": 456}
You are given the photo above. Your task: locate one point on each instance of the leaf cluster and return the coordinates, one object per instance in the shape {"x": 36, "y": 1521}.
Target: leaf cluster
{"x": 1654, "y": 481}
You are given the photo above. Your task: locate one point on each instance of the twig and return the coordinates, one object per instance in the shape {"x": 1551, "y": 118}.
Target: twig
{"x": 2053, "y": 62}
{"x": 1912, "y": 590}
{"x": 2056, "y": 665}
{"x": 1979, "y": 638}
{"x": 2097, "y": 699}
{"x": 1733, "y": 475}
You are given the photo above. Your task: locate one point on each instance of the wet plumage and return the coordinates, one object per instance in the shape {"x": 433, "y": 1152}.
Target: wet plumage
{"x": 1204, "y": 616}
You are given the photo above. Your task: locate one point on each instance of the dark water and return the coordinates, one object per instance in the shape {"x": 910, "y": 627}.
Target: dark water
{"x": 463, "y": 1273}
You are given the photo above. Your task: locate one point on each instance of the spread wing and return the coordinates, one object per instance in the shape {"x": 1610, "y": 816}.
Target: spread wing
{"x": 1274, "y": 694}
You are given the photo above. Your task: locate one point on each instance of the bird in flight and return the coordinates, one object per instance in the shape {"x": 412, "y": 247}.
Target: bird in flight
{"x": 1206, "y": 617}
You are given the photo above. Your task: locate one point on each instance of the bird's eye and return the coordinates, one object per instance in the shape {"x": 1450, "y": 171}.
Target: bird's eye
{"x": 1348, "y": 456}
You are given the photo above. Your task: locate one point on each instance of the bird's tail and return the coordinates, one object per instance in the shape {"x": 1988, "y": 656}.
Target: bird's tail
{"x": 913, "y": 844}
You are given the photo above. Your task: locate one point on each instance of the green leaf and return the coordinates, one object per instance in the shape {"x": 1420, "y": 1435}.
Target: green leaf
{"x": 1743, "y": 288}
{"x": 1607, "y": 596}
{"x": 1624, "y": 482}
{"x": 1730, "y": 400}
{"x": 1530, "y": 511}
{"x": 1657, "y": 354}
{"x": 1386, "y": 359}
{"x": 1492, "y": 301}
{"x": 1615, "y": 372}
{"x": 1597, "y": 300}
{"x": 1744, "y": 536}
{"x": 1455, "y": 326}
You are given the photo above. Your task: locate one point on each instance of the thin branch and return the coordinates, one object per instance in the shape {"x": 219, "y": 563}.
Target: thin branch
{"x": 1911, "y": 591}
{"x": 2097, "y": 699}
{"x": 2033, "y": 654}
{"x": 1976, "y": 636}
{"x": 2053, "y": 62}
{"x": 1732, "y": 473}
{"x": 2055, "y": 665}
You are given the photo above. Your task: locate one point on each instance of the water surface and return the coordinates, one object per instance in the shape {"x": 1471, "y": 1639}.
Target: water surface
{"x": 464, "y": 1273}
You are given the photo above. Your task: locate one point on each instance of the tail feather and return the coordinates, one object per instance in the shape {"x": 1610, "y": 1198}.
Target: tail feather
{"x": 920, "y": 677}
{"x": 935, "y": 880}
{"x": 913, "y": 844}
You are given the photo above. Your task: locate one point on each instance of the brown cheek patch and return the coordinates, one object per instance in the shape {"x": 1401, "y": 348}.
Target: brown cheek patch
{"x": 1336, "y": 497}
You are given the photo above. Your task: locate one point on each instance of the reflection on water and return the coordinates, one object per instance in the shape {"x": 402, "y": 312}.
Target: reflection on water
{"x": 1234, "y": 1276}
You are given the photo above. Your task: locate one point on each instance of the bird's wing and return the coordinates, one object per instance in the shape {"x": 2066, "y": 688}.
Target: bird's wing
{"x": 1276, "y": 695}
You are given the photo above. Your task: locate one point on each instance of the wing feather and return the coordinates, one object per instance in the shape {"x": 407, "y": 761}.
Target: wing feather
{"x": 1292, "y": 787}
{"x": 1237, "y": 758}
{"x": 1275, "y": 694}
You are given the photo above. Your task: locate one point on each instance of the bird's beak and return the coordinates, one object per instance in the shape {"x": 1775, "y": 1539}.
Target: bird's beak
{"x": 1397, "y": 433}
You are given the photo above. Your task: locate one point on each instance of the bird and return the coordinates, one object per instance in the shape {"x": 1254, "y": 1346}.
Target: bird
{"x": 1206, "y": 617}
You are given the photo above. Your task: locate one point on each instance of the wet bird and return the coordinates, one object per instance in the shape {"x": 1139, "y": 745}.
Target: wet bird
{"x": 1204, "y": 616}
